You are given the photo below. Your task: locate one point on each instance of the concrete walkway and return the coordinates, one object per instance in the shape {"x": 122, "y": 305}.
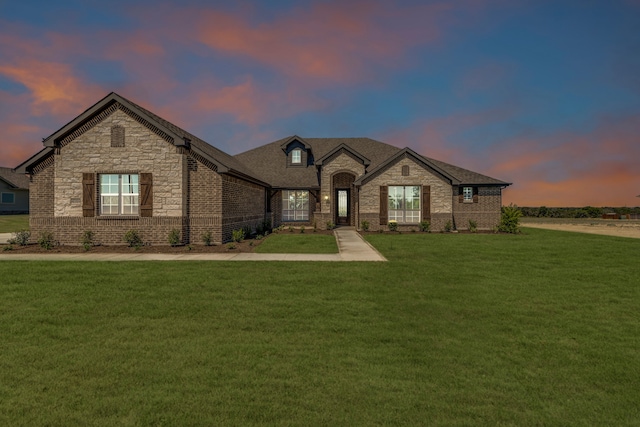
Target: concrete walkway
{"x": 351, "y": 246}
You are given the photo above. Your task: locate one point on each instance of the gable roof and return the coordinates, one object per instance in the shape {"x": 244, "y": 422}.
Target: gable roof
{"x": 170, "y": 132}
{"x": 14, "y": 179}
{"x": 269, "y": 164}
{"x": 345, "y": 147}
{"x": 294, "y": 138}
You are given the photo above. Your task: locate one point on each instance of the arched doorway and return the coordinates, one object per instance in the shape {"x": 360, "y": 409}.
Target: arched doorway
{"x": 344, "y": 198}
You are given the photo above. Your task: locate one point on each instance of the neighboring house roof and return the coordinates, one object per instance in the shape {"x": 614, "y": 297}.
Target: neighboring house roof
{"x": 15, "y": 180}
{"x": 178, "y": 136}
{"x": 269, "y": 163}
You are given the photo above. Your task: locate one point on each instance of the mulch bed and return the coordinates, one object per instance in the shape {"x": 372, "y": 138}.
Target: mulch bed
{"x": 247, "y": 245}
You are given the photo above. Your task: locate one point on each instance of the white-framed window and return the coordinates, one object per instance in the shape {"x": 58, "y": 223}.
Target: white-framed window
{"x": 296, "y": 156}
{"x": 119, "y": 194}
{"x": 295, "y": 205}
{"x": 8, "y": 198}
{"x": 467, "y": 194}
{"x": 404, "y": 204}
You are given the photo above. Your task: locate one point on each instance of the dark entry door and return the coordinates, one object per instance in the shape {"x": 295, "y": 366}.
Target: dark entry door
{"x": 342, "y": 196}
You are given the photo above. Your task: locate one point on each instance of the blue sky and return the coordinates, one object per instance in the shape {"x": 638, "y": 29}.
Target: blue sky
{"x": 544, "y": 94}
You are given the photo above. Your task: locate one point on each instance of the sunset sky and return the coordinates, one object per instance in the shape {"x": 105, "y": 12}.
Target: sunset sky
{"x": 544, "y": 94}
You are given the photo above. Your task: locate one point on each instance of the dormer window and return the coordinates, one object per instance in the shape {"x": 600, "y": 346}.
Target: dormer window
{"x": 296, "y": 157}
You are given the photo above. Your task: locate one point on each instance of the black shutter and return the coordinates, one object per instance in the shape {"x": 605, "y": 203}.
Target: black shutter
{"x": 384, "y": 205}
{"x": 426, "y": 203}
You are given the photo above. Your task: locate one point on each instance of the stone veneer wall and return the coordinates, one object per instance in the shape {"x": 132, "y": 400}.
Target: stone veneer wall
{"x": 56, "y": 195}
{"x": 143, "y": 151}
{"x": 343, "y": 162}
{"x": 486, "y": 212}
{"x": 441, "y": 194}
{"x": 243, "y": 204}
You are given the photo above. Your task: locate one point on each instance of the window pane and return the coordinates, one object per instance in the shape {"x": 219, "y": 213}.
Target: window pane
{"x": 8, "y": 198}
{"x": 296, "y": 156}
{"x": 412, "y": 216}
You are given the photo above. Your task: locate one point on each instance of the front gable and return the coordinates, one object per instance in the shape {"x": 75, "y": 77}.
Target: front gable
{"x": 298, "y": 152}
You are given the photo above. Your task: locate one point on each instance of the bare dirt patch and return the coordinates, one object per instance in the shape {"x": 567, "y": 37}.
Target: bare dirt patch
{"x": 618, "y": 228}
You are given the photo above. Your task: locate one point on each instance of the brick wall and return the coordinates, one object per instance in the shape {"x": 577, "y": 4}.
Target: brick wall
{"x": 243, "y": 204}
{"x": 441, "y": 194}
{"x": 204, "y": 206}
{"x": 486, "y": 212}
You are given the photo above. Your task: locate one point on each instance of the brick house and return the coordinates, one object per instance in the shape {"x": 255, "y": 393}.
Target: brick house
{"x": 118, "y": 166}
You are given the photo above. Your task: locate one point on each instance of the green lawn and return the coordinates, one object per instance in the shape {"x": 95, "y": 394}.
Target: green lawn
{"x": 11, "y": 223}
{"x": 535, "y": 329}
{"x": 287, "y": 243}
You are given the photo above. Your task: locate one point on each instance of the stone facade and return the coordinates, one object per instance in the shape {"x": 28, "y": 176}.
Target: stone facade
{"x": 441, "y": 194}
{"x": 341, "y": 165}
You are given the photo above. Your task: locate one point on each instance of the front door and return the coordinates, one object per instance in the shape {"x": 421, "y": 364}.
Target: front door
{"x": 342, "y": 218}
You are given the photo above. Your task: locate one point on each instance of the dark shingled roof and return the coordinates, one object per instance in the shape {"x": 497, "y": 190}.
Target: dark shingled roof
{"x": 14, "y": 179}
{"x": 268, "y": 162}
{"x": 224, "y": 161}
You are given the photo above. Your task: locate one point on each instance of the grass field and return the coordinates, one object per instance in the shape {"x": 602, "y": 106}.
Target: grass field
{"x": 535, "y": 329}
{"x": 299, "y": 244}
{"x": 11, "y": 223}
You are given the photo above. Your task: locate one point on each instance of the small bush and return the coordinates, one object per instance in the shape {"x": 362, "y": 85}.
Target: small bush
{"x": 425, "y": 226}
{"x": 7, "y": 248}
{"x": 473, "y": 226}
{"x": 510, "y": 219}
{"x": 330, "y": 225}
{"x": 206, "y": 238}
{"x": 364, "y": 224}
{"x": 393, "y": 225}
{"x": 291, "y": 229}
{"x": 413, "y": 230}
{"x": 133, "y": 238}
{"x": 448, "y": 227}
{"x": 315, "y": 226}
{"x": 46, "y": 240}
{"x": 21, "y": 237}
{"x": 87, "y": 240}
{"x": 237, "y": 235}
{"x": 259, "y": 237}
{"x": 302, "y": 229}
{"x": 248, "y": 230}
{"x": 174, "y": 237}
{"x": 231, "y": 245}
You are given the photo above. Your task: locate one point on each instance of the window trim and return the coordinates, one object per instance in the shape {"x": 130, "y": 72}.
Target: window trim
{"x": 120, "y": 195}
{"x": 467, "y": 194}
{"x": 415, "y": 212}
{"x": 304, "y": 211}
{"x": 298, "y": 152}
{"x": 13, "y": 195}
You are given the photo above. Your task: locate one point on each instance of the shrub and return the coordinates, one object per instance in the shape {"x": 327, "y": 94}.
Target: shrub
{"x": 473, "y": 226}
{"x": 87, "y": 239}
{"x": 259, "y": 237}
{"x": 46, "y": 240}
{"x": 174, "y": 237}
{"x": 425, "y": 226}
{"x": 510, "y": 219}
{"x": 302, "y": 229}
{"x": 330, "y": 225}
{"x": 393, "y": 225}
{"x": 248, "y": 230}
{"x": 231, "y": 245}
{"x": 315, "y": 226}
{"x": 237, "y": 235}
{"x": 364, "y": 224}
{"x": 206, "y": 238}
{"x": 291, "y": 229}
{"x": 7, "y": 248}
{"x": 133, "y": 239}
{"x": 448, "y": 227}
{"x": 21, "y": 237}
